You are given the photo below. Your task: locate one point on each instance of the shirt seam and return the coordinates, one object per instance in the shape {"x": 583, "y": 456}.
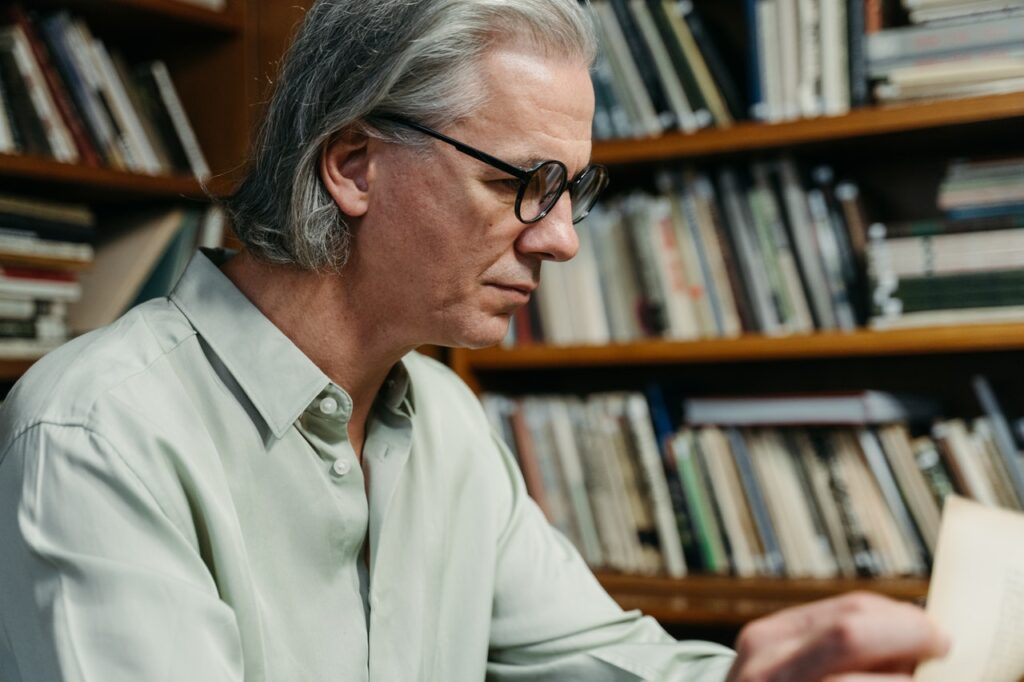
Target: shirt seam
{"x": 86, "y": 421}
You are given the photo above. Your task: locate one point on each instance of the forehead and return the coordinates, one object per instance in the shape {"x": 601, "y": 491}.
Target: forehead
{"x": 537, "y": 107}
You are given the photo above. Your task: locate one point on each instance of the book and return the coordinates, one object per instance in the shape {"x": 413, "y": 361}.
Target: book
{"x": 976, "y": 595}
{"x": 1005, "y": 443}
{"x": 132, "y": 246}
{"x": 865, "y": 407}
{"x": 179, "y": 119}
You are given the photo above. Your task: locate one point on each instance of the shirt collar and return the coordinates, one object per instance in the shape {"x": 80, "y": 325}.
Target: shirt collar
{"x": 277, "y": 377}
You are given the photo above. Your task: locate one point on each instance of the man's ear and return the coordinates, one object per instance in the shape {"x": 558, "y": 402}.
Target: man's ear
{"x": 345, "y": 171}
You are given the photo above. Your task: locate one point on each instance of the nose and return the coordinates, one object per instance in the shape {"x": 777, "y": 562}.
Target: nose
{"x": 554, "y": 236}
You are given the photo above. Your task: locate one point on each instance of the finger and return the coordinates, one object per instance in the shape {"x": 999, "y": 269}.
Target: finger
{"x": 889, "y": 636}
{"x": 800, "y": 622}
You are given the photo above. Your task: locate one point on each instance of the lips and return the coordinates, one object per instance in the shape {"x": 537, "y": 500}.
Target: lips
{"x": 521, "y": 291}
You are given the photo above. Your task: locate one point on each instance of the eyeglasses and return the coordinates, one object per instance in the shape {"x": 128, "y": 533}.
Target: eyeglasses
{"x": 540, "y": 187}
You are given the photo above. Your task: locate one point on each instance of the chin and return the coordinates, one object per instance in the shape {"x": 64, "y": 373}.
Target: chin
{"x": 480, "y": 333}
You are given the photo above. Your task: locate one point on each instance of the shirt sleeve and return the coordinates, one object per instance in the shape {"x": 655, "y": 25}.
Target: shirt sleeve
{"x": 552, "y": 620}
{"x": 96, "y": 583}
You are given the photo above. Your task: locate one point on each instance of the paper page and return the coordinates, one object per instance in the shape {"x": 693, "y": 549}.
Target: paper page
{"x": 977, "y": 594}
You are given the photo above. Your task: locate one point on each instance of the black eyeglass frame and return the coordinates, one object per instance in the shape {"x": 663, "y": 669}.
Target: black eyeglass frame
{"x": 524, "y": 175}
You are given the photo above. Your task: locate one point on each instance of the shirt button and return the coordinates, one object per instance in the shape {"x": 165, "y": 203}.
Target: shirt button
{"x": 341, "y": 467}
{"x": 328, "y": 405}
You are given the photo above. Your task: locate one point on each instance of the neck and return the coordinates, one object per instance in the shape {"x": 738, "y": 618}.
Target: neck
{"x": 321, "y": 314}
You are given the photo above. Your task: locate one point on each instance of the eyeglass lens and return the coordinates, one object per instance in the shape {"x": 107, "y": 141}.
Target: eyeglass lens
{"x": 547, "y": 184}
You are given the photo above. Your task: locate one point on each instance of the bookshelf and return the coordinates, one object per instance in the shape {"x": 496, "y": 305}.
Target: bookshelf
{"x": 220, "y": 61}
{"x": 938, "y": 361}
{"x": 751, "y": 348}
{"x": 731, "y": 602}
{"x": 99, "y": 184}
{"x": 858, "y": 124}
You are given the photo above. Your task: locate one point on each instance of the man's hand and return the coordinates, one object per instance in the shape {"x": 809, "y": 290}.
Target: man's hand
{"x": 858, "y": 637}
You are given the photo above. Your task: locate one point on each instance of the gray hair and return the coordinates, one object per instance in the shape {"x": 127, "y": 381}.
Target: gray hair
{"x": 353, "y": 60}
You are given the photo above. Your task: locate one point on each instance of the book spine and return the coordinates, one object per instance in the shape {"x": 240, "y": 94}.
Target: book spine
{"x": 68, "y": 114}
{"x": 860, "y": 92}
{"x": 186, "y": 134}
{"x": 773, "y": 554}
{"x": 57, "y": 134}
{"x": 1005, "y": 443}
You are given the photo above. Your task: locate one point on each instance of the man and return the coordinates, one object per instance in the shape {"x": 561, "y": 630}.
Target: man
{"x": 256, "y": 479}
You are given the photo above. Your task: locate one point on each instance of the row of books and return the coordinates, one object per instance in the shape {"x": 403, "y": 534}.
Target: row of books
{"x": 658, "y": 69}
{"x": 952, "y": 49}
{"x": 64, "y": 95}
{"x": 765, "y": 249}
{"x": 807, "y": 56}
{"x": 966, "y": 267}
{"x": 806, "y": 486}
{"x": 60, "y": 275}
{"x": 43, "y": 247}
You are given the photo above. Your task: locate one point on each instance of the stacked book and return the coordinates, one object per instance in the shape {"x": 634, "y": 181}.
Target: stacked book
{"x": 799, "y": 486}
{"x": 658, "y": 69}
{"x": 953, "y": 49}
{"x": 966, "y": 267}
{"x": 64, "y": 95}
{"x": 43, "y": 246}
{"x": 765, "y": 249}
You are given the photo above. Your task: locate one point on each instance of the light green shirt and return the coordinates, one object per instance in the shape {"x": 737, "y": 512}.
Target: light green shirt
{"x": 179, "y": 502}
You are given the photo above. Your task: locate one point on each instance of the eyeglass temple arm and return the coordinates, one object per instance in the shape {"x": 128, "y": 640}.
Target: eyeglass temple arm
{"x": 514, "y": 171}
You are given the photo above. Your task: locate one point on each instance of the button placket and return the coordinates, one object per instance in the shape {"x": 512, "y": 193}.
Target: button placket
{"x": 341, "y": 467}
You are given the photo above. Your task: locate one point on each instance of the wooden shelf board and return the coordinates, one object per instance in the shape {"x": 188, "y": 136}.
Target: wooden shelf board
{"x": 11, "y": 370}
{"x": 714, "y": 600}
{"x": 963, "y": 339}
{"x": 105, "y": 182}
{"x": 867, "y": 122}
{"x": 182, "y": 14}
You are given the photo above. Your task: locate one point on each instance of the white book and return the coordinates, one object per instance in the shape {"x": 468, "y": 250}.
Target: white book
{"x": 617, "y": 273}
{"x": 666, "y": 70}
{"x": 665, "y": 246}
{"x": 884, "y": 479}
{"x": 20, "y": 288}
{"x": 890, "y": 92}
{"x": 835, "y": 81}
{"x": 733, "y": 507}
{"x": 627, "y": 73}
{"x": 703, "y": 195}
{"x": 57, "y": 134}
{"x": 568, "y": 456}
{"x": 650, "y": 460}
{"x": 14, "y": 245}
{"x": 975, "y": 594}
{"x": 771, "y": 59}
{"x": 790, "y": 37}
{"x": 125, "y": 112}
{"x": 617, "y": 514}
{"x": 958, "y": 72}
{"x": 182, "y": 126}
{"x": 948, "y": 318}
{"x": 809, "y": 88}
{"x": 81, "y": 42}
{"x": 6, "y": 134}
{"x": 587, "y": 291}
{"x": 806, "y": 243}
{"x": 864, "y": 407}
{"x": 17, "y": 308}
{"x": 211, "y": 234}
{"x": 552, "y": 305}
